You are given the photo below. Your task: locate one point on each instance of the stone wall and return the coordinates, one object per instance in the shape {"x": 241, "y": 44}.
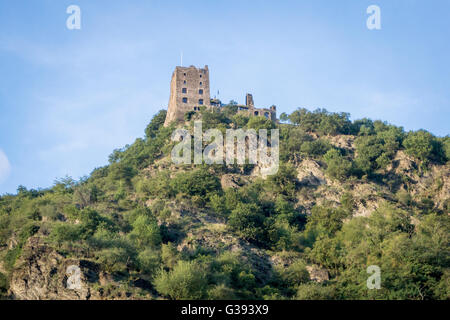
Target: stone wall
{"x": 189, "y": 90}
{"x": 250, "y": 109}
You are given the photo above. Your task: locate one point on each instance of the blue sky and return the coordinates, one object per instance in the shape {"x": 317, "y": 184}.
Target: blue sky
{"x": 69, "y": 97}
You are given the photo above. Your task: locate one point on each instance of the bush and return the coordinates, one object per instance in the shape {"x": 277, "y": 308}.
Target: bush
{"x": 315, "y": 148}
{"x": 284, "y": 181}
{"x": 113, "y": 259}
{"x": 148, "y": 261}
{"x": 146, "y": 232}
{"x": 295, "y": 274}
{"x": 240, "y": 120}
{"x": 313, "y": 291}
{"x": 199, "y": 182}
{"x": 158, "y": 186}
{"x": 446, "y": 147}
{"x": 325, "y": 220}
{"x": 66, "y": 232}
{"x": 322, "y": 121}
{"x": 186, "y": 281}
{"x": 294, "y": 141}
{"x": 169, "y": 255}
{"x": 259, "y": 123}
{"x": 221, "y": 292}
{"x": 404, "y": 198}
{"x": 424, "y": 146}
{"x": 156, "y": 123}
{"x": 218, "y": 205}
{"x": 247, "y": 221}
{"x": 338, "y": 167}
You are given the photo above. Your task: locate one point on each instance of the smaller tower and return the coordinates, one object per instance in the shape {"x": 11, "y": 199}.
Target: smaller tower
{"x": 249, "y": 101}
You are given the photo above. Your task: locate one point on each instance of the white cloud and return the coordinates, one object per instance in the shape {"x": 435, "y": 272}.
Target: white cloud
{"x": 5, "y": 167}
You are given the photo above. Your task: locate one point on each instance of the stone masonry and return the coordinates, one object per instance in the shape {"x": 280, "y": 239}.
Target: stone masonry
{"x": 189, "y": 90}
{"x": 250, "y": 110}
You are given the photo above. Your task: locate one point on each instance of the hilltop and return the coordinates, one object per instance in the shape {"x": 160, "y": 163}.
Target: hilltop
{"x": 347, "y": 195}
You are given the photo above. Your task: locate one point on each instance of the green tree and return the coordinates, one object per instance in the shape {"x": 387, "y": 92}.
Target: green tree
{"x": 259, "y": 123}
{"x": 156, "y": 123}
{"x": 419, "y": 144}
{"x": 284, "y": 117}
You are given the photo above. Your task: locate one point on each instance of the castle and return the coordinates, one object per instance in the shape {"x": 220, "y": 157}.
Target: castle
{"x": 189, "y": 91}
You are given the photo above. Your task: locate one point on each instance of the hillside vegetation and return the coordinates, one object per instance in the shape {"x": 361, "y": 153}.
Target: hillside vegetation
{"x": 347, "y": 195}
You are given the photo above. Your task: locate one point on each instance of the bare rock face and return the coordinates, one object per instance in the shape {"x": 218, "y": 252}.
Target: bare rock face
{"x": 42, "y": 273}
{"x": 310, "y": 173}
{"x": 342, "y": 141}
{"x": 230, "y": 181}
{"x": 317, "y": 274}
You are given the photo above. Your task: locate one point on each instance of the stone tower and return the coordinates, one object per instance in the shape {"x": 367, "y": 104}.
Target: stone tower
{"x": 189, "y": 90}
{"x": 249, "y": 101}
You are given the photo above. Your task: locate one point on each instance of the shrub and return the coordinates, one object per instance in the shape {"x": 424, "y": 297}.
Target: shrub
{"x": 322, "y": 121}
{"x": 294, "y": 139}
{"x": 404, "y": 198}
{"x": 446, "y": 147}
{"x": 148, "y": 261}
{"x": 221, "y": 292}
{"x": 314, "y": 291}
{"x": 66, "y": 232}
{"x": 240, "y": 120}
{"x": 423, "y": 146}
{"x": 156, "y": 123}
{"x": 187, "y": 280}
{"x": 284, "y": 181}
{"x": 295, "y": 274}
{"x": 146, "y": 232}
{"x": 338, "y": 167}
{"x": 113, "y": 259}
{"x": 158, "y": 186}
{"x": 325, "y": 220}
{"x": 247, "y": 221}
{"x": 218, "y": 205}
{"x": 315, "y": 148}
{"x": 169, "y": 255}
{"x": 199, "y": 182}
{"x": 258, "y": 123}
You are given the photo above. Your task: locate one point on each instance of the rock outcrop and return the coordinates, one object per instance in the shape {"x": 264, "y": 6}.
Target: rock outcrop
{"x": 42, "y": 273}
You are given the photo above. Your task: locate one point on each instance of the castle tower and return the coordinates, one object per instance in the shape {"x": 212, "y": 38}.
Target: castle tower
{"x": 189, "y": 90}
{"x": 249, "y": 101}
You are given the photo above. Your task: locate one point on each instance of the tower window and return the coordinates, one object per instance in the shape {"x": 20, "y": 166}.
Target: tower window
{"x": 201, "y": 76}
{"x": 185, "y": 100}
{"x": 200, "y": 101}
{"x": 200, "y": 91}
{"x": 184, "y": 81}
{"x": 185, "y": 74}
{"x": 184, "y": 90}
{"x": 201, "y": 83}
